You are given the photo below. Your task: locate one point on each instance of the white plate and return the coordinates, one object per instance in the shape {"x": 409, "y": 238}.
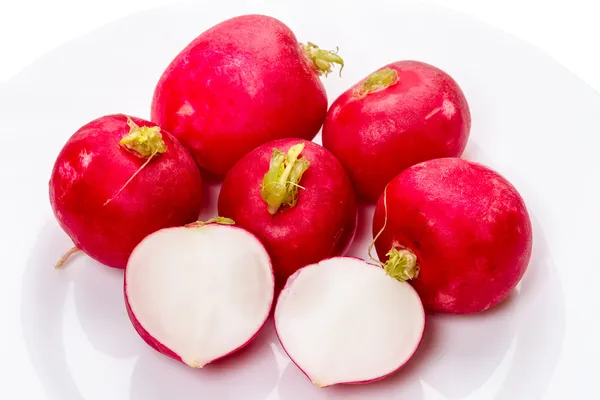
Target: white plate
{"x": 65, "y": 334}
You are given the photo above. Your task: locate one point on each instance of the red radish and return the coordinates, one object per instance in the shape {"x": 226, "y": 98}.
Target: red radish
{"x": 459, "y": 228}
{"x": 345, "y": 321}
{"x": 199, "y": 293}
{"x": 296, "y": 198}
{"x": 404, "y": 113}
{"x": 242, "y": 83}
{"x": 118, "y": 179}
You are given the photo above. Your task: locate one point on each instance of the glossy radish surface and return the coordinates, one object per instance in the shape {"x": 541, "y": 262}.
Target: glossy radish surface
{"x": 295, "y": 196}
{"x": 199, "y": 293}
{"x": 345, "y": 321}
{"x": 118, "y": 179}
{"x": 243, "y": 82}
{"x": 461, "y": 229}
{"x": 400, "y": 115}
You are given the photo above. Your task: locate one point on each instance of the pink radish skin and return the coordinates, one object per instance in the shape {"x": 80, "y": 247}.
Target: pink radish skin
{"x": 322, "y": 223}
{"x": 374, "y": 330}
{"x": 468, "y": 228}
{"x": 242, "y": 83}
{"x": 107, "y": 197}
{"x": 402, "y": 114}
{"x": 153, "y": 315}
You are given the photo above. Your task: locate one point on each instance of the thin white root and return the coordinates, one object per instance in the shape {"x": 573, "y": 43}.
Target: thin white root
{"x": 65, "y": 257}
{"x": 385, "y": 219}
{"x": 130, "y": 179}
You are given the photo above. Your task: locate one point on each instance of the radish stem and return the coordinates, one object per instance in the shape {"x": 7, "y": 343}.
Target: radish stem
{"x": 280, "y": 183}
{"x": 323, "y": 60}
{"x": 377, "y": 81}
{"x": 142, "y": 141}
{"x": 215, "y": 220}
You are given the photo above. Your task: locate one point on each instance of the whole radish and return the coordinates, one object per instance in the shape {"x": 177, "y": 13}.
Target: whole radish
{"x": 118, "y": 179}
{"x": 199, "y": 293}
{"x": 402, "y": 114}
{"x": 242, "y": 83}
{"x": 459, "y": 230}
{"x": 296, "y": 198}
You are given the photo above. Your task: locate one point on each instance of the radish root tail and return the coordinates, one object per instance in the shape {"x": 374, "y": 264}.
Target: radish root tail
{"x": 143, "y": 141}
{"x": 130, "y": 179}
{"x": 385, "y": 218}
{"x": 401, "y": 263}
{"x": 65, "y": 257}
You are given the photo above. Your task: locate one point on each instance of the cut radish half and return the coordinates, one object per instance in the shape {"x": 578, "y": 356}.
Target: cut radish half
{"x": 344, "y": 320}
{"x": 199, "y": 293}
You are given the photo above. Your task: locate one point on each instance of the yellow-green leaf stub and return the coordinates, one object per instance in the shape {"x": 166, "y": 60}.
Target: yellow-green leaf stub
{"x": 323, "y": 60}
{"x": 215, "y": 220}
{"x": 377, "y": 81}
{"x": 144, "y": 141}
{"x": 281, "y": 182}
{"x": 401, "y": 264}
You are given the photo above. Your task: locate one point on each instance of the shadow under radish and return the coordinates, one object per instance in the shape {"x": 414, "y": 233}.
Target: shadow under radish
{"x": 364, "y": 235}
{"x": 529, "y": 325}
{"x": 42, "y": 305}
{"x": 100, "y": 306}
{"x": 466, "y": 350}
{"x": 541, "y": 321}
{"x": 250, "y": 374}
{"x": 403, "y": 384}
{"x": 211, "y": 187}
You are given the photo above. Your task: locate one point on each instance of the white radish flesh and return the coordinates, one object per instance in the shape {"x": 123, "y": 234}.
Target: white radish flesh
{"x": 202, "y": 292}
{"x": 345, "y": 321}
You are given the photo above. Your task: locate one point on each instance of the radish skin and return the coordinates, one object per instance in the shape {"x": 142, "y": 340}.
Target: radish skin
{"x": 107, "y": 196}
{"x": 458, "y": 230}
{"x": 402, "y": 114}
{"x": 317, "y": 223}
{"x": 199, "y": 293}
{"x": 242, "y": 83}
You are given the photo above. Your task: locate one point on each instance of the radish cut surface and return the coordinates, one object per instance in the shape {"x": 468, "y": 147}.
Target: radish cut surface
{"x": 345, "y": 321}
{"x": 198, "y": 294}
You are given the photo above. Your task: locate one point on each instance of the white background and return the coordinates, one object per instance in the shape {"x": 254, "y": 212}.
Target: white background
{"x": 566, "y": 29}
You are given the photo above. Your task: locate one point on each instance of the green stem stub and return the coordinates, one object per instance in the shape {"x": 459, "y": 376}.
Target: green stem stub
{"x": 401, "y": 264}
{"x": 214, "y": 220}
{"x": 323, "y": 60}
{"x": 280, "y": 184}
{"x": 377, "y": 81}
{"x": 143, "y": 141}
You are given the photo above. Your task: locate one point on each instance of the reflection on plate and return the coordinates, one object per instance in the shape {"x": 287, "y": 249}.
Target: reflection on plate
{"x": 76, "y": 330}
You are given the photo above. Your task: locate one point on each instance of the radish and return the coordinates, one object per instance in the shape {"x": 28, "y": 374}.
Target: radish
{"x": 345, "y": 321}
{"x": 242, "y": 83}
{"x": 200, "y": 292}
{"x": 459, "y": 230}
{"x": 118, "y": 179}
{"x": 296, "y": 198}
{"x": 402, "y": 114}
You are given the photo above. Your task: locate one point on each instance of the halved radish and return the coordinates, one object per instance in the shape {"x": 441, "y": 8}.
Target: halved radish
{"x": 344, "y": 320}
{"x": 199, "y": 293}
